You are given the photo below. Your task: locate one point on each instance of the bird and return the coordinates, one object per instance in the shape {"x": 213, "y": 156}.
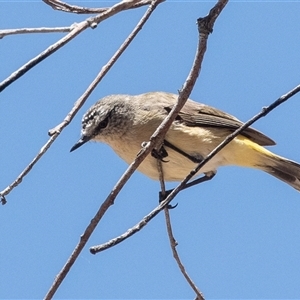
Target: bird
{"x": 126, "y": 122}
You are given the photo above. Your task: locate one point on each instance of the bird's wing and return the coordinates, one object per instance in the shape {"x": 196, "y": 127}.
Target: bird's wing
{"x": 195, "y": 114}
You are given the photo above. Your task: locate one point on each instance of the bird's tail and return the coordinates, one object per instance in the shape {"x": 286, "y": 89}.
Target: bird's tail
{"x": 284, "y": 169}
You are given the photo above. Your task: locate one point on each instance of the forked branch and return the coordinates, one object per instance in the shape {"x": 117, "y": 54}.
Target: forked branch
{"x": 182, "y": 185}
{"x": 158, "y": 136}
{"x": 65, "y": 7}
{"x": 55, "y": 132}
{"x": 173, "y": 242}
{"x": 109, "y": 201}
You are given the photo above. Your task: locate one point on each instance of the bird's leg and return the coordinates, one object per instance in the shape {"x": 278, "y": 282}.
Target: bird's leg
{"x": 194, "y": 159}
{"x": 160, "y": 154}
{"x": 206, "y": 177}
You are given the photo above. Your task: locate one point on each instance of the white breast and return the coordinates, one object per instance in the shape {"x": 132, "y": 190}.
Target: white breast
{"x": 193, "y": 140}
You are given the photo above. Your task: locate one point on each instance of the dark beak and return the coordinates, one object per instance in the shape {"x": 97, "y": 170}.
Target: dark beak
{"x": 82, "y": 141}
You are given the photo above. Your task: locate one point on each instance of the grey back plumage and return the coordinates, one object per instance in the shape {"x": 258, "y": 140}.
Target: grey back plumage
{"x": 197, "y": 114}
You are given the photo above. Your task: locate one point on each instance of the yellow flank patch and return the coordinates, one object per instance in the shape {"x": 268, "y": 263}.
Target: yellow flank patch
{"x": 254, "y": 145}
{"x": 248, "y": 153}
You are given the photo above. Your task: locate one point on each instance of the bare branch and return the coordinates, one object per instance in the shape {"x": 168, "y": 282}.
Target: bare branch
{"x": 155, "y": 140}
{"x": 77, "y": 29}
{"x": 182, "y": 184}
{"x": 110, "y": 199}
{"x": 229, "y": 138}
{"x": 50, "y": 50}
{"x": 65, "y": 7}
{"x": 19, "y": 179}
{"x": 54, "y": 133}
{"x": 173, "y": 244}
{"x": 6, "y": 32}
{"x": 161, "y": 177}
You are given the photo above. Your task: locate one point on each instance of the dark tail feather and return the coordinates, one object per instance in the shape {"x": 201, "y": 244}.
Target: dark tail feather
{"x": 283, "y": 169}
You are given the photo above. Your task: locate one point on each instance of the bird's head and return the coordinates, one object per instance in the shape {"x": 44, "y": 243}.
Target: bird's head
{"x": 107, "y": 119}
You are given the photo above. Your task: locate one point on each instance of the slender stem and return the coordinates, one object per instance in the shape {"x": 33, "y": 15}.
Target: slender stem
{"x": 110, "y": 199}
{"x": 6, "y": 32}
{"x": 182, "y": 184}
{"x": 158, "y": 136}
{"x": 55, "y": 132}
{"x": 76, "y": 29}
{"x": 63, "y": 6}
{"x": 174, "y": 244}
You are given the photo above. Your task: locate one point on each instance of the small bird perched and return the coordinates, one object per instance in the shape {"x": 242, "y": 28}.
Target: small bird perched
{"x": 125, "y": 122}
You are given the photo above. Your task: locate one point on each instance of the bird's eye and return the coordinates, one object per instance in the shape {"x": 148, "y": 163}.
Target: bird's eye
{"x": 102, "y": 124}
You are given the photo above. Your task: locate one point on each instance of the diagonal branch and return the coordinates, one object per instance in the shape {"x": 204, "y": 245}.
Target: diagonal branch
{"x": 90, "y": 228}
{"x": 6, "y": 32}
{"x": 77, "y": 29}
{"x": 65, "y": 7}
{"x": 173, "y": 242}
{"x": 55, "y": 132}
{"x": 175, "y": 191}
{"x": 158, "y": 136}
{"x": 229, "y": 138}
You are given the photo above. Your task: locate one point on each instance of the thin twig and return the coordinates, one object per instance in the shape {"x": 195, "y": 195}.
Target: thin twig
{"x": 77, "y": 29}
{"x": 182, "y": 184}
{"x": 54, "y": 133}
{"x": 229, "y": 138}
{"x": 161, "y": 177}
{"x": 19, "y": 179}
{"x": 43, "y": 55}
{"x": 6, "y": 32}
{"x": 156, "y": 140}
{"x": 65, "y": 7}
{"x": 173, "y": 242}
{"x": 110, "y": 199}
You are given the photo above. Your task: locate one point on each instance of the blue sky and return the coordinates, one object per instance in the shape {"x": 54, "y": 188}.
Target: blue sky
{"x": 238, "y": 235}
